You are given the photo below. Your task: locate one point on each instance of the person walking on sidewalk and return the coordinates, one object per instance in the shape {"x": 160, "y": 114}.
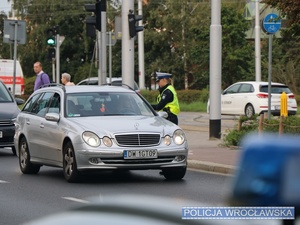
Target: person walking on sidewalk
{"x": 42, "y": 78}
{"x": 66, "y": 79}
{"x": 167, "y": 99}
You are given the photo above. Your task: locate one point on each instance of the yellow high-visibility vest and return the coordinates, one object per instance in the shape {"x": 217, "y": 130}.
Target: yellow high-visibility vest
{"x": 174, "y": 105}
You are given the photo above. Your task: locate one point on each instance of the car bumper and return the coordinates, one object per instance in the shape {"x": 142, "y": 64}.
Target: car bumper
{"x": 7, "y": 136}
{"x": 277, "y": 112}
{"x": 167, "y": 158}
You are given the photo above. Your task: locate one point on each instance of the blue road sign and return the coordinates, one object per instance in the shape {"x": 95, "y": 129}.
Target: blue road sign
{"x": 271, "y": 23}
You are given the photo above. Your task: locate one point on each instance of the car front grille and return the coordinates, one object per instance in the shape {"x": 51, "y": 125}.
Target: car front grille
{"x": 6, "y": 123}
{"x": 128, "y": 140}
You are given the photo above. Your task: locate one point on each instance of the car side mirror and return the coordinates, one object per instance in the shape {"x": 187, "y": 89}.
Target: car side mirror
{"x": 163, "y": 114}
{"x": 52, "y": 117}
{"x": 19, "y": 101}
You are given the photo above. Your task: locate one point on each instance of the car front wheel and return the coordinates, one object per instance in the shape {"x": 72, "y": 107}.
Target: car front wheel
{"x": 174, "y": 173}
{"x": 24, "y": 159}
{"x": 249, "y": 111}
{"x": 69, "y": 164}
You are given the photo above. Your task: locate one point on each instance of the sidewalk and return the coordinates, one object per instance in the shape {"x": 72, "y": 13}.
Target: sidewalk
{"x": 205, "y": 153}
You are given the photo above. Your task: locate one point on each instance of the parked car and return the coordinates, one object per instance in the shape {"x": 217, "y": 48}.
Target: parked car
{"x": 251, "y": 97}
{"x": 84, "y": 128}
{"x": 115, "y": 81}
{"x": 8, "y": 112}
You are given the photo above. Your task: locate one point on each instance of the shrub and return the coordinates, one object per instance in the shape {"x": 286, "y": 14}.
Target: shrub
{"x": 234, "y": 137}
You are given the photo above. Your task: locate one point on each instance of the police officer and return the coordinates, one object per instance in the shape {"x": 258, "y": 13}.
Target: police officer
{"x": 167, "y": 99}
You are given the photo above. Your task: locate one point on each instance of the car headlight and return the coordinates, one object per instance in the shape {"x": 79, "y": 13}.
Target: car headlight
{"x": 178, "y": 137}
{"x": 91, "y": 139}
{"x": 167, "y": 140}
{"x": 107, "y": 141}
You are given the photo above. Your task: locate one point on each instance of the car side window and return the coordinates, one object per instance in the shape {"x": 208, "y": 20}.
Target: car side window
{"x": 42, "y": 104}
{"x": 233, "y": 90}
{"x": 246, "y": 88}
{"x": 54, "y": 105}
{"x": 30, "y": 103}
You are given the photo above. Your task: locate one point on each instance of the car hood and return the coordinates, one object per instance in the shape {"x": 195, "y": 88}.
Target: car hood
{"x": 8, "y": 110}
{"x": 126, "y": 124}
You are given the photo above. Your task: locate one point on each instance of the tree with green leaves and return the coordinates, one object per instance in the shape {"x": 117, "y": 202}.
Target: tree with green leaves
{"x": 5, "y": 49}
{"x": 41, "y": 15}
{"x": 291, "y": 9}
{"x": 177, "y": 38}
{"x": 285, "y": 54}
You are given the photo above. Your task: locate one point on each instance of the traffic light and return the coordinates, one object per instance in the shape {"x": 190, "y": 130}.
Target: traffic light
{"x": 94, "y": 20}
{"x": 51, "y": 53}
{"x": 51, "y": 40}
{"x": 133, "y": 27}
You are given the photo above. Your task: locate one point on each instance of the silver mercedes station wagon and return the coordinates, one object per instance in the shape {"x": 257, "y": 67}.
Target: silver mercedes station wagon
{"x": 85, "y": 128}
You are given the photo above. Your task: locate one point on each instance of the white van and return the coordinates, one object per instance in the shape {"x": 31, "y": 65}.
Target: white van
{"x": 7, "y": 73}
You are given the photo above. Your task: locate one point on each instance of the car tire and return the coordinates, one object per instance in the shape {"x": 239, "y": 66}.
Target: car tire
{"x": 249, "y": 110}
{"x": 13, "y": 149}
{"x": 174, "y": 173}
{"x": 24, "y": 159}
{"x": 71, "y": 173}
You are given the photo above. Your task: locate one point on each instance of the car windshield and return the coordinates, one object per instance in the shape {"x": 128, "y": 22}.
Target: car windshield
{"x": 106, "y": 104}
{"x": 4, "y": 94}
{"x": 275, "y": 89}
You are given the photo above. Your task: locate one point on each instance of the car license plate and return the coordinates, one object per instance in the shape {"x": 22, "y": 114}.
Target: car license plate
{"x": 140, "y": 154}
{"x": 277, "y": 107}
{"x": 1, "y": 134}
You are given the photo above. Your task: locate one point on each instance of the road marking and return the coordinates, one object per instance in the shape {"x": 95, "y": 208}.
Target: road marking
{"x": 4, "y": 182}
{"x": 76, "y": 200}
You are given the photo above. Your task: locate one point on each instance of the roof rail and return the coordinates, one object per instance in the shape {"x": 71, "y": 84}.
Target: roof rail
{"x": 122, "y": 84}
{"x": 54, "y": 85}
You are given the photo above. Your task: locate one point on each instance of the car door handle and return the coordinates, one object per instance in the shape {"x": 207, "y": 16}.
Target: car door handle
{"x": 42, "y": 125}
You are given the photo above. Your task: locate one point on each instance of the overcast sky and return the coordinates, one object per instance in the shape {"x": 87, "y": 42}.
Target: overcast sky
{"x": 4, "y": 6}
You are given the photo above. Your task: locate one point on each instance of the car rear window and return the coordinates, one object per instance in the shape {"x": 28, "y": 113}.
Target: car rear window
{"x": 275, "y": 89}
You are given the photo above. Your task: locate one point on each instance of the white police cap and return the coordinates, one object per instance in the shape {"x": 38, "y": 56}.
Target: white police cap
{"x": 160, "y": 75}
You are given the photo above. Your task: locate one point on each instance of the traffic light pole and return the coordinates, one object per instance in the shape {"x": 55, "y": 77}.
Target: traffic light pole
{"x": 141, "y": 49}
{"x": 99, "y": 54}
{"x": 127, "y": 45}
{"x": 53, "y": 68}
{"x": 103, "y": 42}
{"x": 57, "y": 57}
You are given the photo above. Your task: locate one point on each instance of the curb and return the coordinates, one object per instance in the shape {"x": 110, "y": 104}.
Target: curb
{"x": 211, "y": 167}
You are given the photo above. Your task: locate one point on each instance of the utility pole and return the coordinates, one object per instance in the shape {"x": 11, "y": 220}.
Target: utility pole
{"x": 98, "y": 20}
{"x": 129, "y": 31}
{"x": 215, "y": 70}
{"x": 141, "y": 49}
{"x": 257, "y": 43}
{"x": 127, "y": 45}
{"x": 103, "y": 42}
{"x": 57, "y": 56}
